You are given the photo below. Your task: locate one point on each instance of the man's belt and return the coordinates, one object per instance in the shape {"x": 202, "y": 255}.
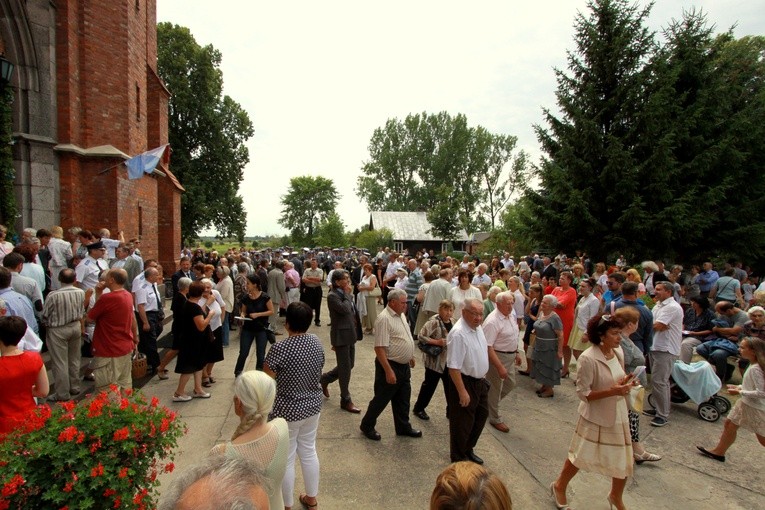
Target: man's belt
{"x": 507, "y": 352}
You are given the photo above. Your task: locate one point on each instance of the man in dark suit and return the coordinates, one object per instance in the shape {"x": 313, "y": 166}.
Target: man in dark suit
{"x": 343, "y": 336}
{"x": 184, "y": 272}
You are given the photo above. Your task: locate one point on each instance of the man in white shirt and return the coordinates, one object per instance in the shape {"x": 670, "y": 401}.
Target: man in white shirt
{"x": 149, "y": 314}
{"x": 481, "y": 276}
{"x": 507, "y": 262}
{"x": 467, "y": 360}
{"x": 501, "y": 331}
{"x": 667, "y": 338}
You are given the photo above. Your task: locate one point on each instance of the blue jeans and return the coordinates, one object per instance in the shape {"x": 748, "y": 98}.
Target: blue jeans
{"x": 225, "y": 329}
{"x": 246, "y": 337}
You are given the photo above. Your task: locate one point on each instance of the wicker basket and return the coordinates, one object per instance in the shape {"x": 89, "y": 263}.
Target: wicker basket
{"x": 139, "y": 365}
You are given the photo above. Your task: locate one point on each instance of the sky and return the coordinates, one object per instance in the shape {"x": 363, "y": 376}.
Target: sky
{"x": 317, "y": 78}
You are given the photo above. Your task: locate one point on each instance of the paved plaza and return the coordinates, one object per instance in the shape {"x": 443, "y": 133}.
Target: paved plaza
{"x": 399, "y": 472}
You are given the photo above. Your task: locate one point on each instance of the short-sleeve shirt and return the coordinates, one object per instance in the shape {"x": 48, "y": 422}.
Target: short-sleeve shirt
{"x": 297, "y": 362}
{"x": 113, "y": 315}
{"x": 392, "y": 332}
{"x": 501, "y": 331}
{"x": 467, "y": 350}
{"x": 258, "y": 305}
{"x": 146, "y": 294}
{"x": 88, "y": 270}
{"x": 670, "y": 313}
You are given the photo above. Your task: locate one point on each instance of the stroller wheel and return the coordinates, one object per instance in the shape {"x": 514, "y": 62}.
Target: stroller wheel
{"x": 721, "y": 403}
{"x": 651, "y": 400}
{"x": 708, "y": 412}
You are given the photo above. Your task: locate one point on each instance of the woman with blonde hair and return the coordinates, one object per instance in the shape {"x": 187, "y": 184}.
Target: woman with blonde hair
{"x": 633, "y": 276}
{"x": 266, "y": 443}
{"x": 469, "y": 486}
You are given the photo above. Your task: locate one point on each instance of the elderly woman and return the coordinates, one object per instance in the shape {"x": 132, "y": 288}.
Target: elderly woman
{"x": 490, "y": 302}
{"x": 434, "y": 332}
{"x": 633, "y": 358}
{"x": 195, "y": 334}
{"x": 586, "y": 309}
{"x": 264, "y": 442}
{"x": 548, "y": 347}
{"x": 601, "y": 442}
{"x": 5, "y": 246}
{"x": 225, "y": 288}
{"x": 366, "y": 300}
{"x": 214, "y": 349}
{"x": 463, "y": 291}
{"x": 256, "y": 307}
{"x": 566, "y": 295}
{"x": 22, "y": 375}
{"x": 578, "y": 273}
{"x": 296, "y": 363}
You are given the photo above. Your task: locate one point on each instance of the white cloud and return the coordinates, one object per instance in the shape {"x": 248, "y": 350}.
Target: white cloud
{"x": 318, "y": 77}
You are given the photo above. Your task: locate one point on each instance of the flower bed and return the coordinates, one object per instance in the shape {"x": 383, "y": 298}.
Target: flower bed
{"x": 104, "y": 452}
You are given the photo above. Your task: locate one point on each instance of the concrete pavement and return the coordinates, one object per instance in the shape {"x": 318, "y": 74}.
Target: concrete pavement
{"x": 399, "y": 472}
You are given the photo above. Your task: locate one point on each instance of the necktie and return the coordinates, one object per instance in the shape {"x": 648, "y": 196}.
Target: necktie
{"x": 156, "y": 295}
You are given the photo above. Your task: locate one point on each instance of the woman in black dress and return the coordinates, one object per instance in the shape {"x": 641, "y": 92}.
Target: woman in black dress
{"x": 195, "y": 334}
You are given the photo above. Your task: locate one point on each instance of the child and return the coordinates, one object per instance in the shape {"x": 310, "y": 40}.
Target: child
{"x": 749, "y": 412}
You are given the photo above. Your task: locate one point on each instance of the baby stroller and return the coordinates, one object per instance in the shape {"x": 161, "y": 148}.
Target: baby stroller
{"x": 698, "y": 382}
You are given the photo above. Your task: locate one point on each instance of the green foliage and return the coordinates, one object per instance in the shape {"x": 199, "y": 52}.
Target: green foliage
{"x": 659, "y": 149}
{"x": 208, "y": 244}
{"x": 371, "y": 240}
{"x": 8, "y": 209}
{"x": 459, "y": 173}
{"x": 207, "y": 132}
{"x": 309, "y": 200}
{"x": 104, "y": 452}
{"x": 255, "y": 244}
{"x": 331, "y": 232}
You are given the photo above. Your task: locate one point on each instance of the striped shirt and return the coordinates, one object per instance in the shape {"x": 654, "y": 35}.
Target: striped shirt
{"x": 392, "y": 332}
{"x": 64, "y": 306}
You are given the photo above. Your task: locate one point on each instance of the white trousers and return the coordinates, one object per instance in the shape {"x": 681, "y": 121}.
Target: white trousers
{"x": 302, "y": 442}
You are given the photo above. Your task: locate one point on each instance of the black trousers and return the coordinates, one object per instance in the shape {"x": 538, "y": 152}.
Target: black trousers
{"x": 466, "y": 423}
{"x": 428, "y": 388}
{"x": 312, "y": 297}
{"x": 346, "y": 358}
{"x": 147, "y": 340}
{"x": 397, "y": 394}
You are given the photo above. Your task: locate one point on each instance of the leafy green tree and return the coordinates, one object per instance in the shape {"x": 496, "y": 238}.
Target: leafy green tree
{"x": 309, "y": 200}
{"x": 440, "y": 164}
{"x": 331, "y": 231}
{"x": 373, "y": 239}
{"x": 207, "y": 132}
{"x": 589, "y": 147}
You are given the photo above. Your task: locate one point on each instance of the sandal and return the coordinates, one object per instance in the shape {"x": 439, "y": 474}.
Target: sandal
{"x": 645, "y": 456}
{"x": 211, "y": 379}
{"x": 162, "y": 374}
{"x": 206, "y": 383}
{"x": 304, "y": 501}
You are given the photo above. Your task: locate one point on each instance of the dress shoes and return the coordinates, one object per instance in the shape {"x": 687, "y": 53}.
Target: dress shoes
{"x": 325, "y": 389}
{"x": 472, "y": 457}
{"x": 707, "y": 453}
{"x": 501, "y": 427}
{"x": 348, "y": 406}
{"x": 370, "y": 434}
{"x": 410, "y": 433}
{"x": 421, "y": 415}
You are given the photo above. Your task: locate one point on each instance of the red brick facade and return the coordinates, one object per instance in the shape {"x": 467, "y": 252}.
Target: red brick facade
{"x": 111, "y": 103}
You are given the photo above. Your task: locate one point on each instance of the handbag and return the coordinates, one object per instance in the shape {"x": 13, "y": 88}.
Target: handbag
{"x": 376, "y": 292}
{"x": 635, "y": 398}
{"x": 430, "y": 349}
{"x": 270, "y": 334}
{"x": 139, "y": 365}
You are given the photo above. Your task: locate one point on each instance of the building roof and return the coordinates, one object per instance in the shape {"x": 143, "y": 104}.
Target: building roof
{"x": 408, "y": 226}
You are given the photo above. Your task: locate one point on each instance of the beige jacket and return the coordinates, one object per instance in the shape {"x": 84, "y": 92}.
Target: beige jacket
{"x": 593, "y": 374}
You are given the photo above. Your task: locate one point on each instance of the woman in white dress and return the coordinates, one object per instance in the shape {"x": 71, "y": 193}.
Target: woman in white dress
{"x": 602, "y": 442}
{"x": 266, "y": 443}
{"x": 463, "y": 291}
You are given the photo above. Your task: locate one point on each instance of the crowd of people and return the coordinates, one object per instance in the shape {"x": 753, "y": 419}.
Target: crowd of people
{"x": 475, "y": 323}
